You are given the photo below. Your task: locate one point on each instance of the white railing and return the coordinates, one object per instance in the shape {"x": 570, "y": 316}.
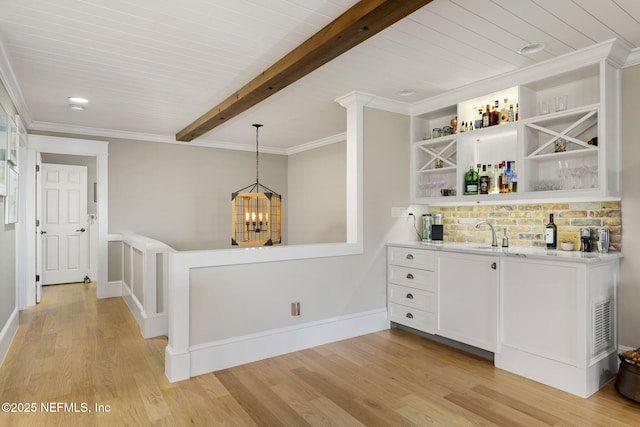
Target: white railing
{"x": 141, "y": 269}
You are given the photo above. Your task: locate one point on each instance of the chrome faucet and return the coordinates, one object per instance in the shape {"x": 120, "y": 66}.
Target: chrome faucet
{"x": 494, "y": 241}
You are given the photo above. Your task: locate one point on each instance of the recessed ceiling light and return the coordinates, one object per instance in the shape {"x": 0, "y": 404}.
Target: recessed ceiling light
{"x": 77, "y": 100}
{"x": 75, "y": 107}
{"x": 406, "y": 92}
{"x": 531, "y": 48}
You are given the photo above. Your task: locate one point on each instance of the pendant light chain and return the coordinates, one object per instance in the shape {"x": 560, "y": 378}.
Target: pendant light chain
{"x": 258, "y": 126}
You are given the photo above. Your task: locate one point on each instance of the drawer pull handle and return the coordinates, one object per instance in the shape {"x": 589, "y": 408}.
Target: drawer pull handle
{"x": 409, "y": 256}
{"x": 409, "y": 296}
{"x": 409, "y": 276}
{"x": 409, "y": 316}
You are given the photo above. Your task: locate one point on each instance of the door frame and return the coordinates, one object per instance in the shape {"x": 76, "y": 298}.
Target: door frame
{"x": 70, "y": 146}
{"x": 83, "y": 228}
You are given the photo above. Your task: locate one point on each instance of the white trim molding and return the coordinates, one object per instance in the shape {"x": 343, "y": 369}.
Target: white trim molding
{"x": 81, "y": 147}
{"x": 213, "y": 356}
{"x": 7, "y": 333}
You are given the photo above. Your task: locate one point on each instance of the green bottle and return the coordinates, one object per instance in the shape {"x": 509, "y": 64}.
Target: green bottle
{"x": 471, "y": 181}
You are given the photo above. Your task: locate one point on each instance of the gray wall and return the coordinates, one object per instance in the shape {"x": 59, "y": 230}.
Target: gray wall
{"x": 317, "y": 195}
{"x": 180, "y": 194}
{"x": 629, "y": 295}
{"x": 237, "y": 300}
{"x": 7, "y": 242}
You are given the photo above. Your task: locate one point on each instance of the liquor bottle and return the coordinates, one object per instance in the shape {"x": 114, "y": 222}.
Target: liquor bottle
{"x": 513, "y": 179}
{"x": 495, "y": 114}
{"x": 504, "y": 179}
{"x": 494, "y": 187}
{"x": 471, "y": 181}
{"x": 478, "y": 122}
{"x": 551, "y": 234}
{"x": 485, "y": 117}
{"x": 484, "y": 181}
{"x": 511, "y": 113}
{"x": 504, "y": 112}
{"x": 517, "y": 114}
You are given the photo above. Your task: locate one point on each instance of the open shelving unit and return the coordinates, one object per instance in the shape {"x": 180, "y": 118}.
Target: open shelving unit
{"x": 565, "y": 138}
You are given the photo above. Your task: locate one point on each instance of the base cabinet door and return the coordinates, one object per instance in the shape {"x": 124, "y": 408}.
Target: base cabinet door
{"x": 468, "y": 299}
{"x": 540, "y": 309}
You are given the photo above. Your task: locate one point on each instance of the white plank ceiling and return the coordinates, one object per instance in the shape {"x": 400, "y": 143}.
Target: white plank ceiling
{"x": 150, "y": 67}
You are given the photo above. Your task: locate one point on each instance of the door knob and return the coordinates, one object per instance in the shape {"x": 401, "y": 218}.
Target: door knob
{"x": 82, "y": 230}
{"x": 43, "y": 232}
{"x": 494, "y": 265}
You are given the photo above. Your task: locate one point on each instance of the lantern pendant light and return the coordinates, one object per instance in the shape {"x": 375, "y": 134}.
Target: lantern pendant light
{"x": 255, "y": 211}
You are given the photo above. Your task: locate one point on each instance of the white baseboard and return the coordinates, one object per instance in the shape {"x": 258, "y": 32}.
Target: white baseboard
{"x": 213, "y": 356}
{"x": 8, "y": 332}
{"x": 113, "y": 289}
{"x": 150, "y": 326}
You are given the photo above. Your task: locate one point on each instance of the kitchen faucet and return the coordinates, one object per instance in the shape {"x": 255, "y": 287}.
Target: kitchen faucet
{"x": 494, "y": 241}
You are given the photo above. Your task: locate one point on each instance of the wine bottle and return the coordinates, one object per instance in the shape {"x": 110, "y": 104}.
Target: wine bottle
{"x": 551, "y": 234}
{"x": 471, "y": 181}
{"x": 511, "y": 113}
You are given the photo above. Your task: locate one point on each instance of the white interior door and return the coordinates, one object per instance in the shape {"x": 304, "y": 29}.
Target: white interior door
{"x": 65, "y": 241}
{"x": 38, "y": 228}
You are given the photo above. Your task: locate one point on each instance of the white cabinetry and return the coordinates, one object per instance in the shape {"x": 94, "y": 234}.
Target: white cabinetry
{"x": 558, "y": 322}
{"x": 411, "y": 286}
{"x": 468, "y": 299}
{"x": 565, "y": 143}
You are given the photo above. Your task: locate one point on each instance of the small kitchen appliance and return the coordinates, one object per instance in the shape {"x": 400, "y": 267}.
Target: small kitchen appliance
{"x": 437, "y": 229}
{"x": 585, "y": 239}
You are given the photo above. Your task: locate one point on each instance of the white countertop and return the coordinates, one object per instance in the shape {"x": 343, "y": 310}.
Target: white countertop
{"x": 515, "y": 251}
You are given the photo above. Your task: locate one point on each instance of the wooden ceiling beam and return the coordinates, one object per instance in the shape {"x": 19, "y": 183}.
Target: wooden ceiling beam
{"x": 365, "y": 19}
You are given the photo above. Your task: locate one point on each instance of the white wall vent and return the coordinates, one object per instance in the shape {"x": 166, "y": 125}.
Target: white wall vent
{"x": 602, "y": 329}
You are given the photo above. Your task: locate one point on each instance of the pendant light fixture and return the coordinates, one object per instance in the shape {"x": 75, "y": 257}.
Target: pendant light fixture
{"x": 255, "y": 212}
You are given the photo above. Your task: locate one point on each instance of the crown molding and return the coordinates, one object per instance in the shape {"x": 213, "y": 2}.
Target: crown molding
{"x": 633, "y": 58}
{"x": 341, "y": 137}
{"x": 10, "y": 82}
{"x": 390, "y": 105}
{"x": 83, "y": 131}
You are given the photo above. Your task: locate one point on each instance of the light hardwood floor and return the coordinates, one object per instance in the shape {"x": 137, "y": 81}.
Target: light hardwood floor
{"x": 75, "y": 349}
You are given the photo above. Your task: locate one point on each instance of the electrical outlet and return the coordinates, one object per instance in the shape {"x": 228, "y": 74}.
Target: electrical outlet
{"x": 295, "y": 309}
{"x": 399, "y": 212}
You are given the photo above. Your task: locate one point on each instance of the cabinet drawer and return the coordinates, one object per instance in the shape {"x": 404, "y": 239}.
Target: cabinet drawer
{"x": 414, "y": 318}
{"x": 421, "y": 279}
{"x": 417, "y": 258}
{"x": 413, "y": 298}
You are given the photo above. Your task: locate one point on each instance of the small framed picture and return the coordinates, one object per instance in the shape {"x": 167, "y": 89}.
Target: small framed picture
{"x": 13, "y": 141}
{"x": 11, "y": 200}
{"x": 3, "y": 152}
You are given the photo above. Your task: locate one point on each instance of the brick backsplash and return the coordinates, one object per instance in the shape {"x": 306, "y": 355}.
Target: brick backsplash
{"x": 525, "y": 223}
